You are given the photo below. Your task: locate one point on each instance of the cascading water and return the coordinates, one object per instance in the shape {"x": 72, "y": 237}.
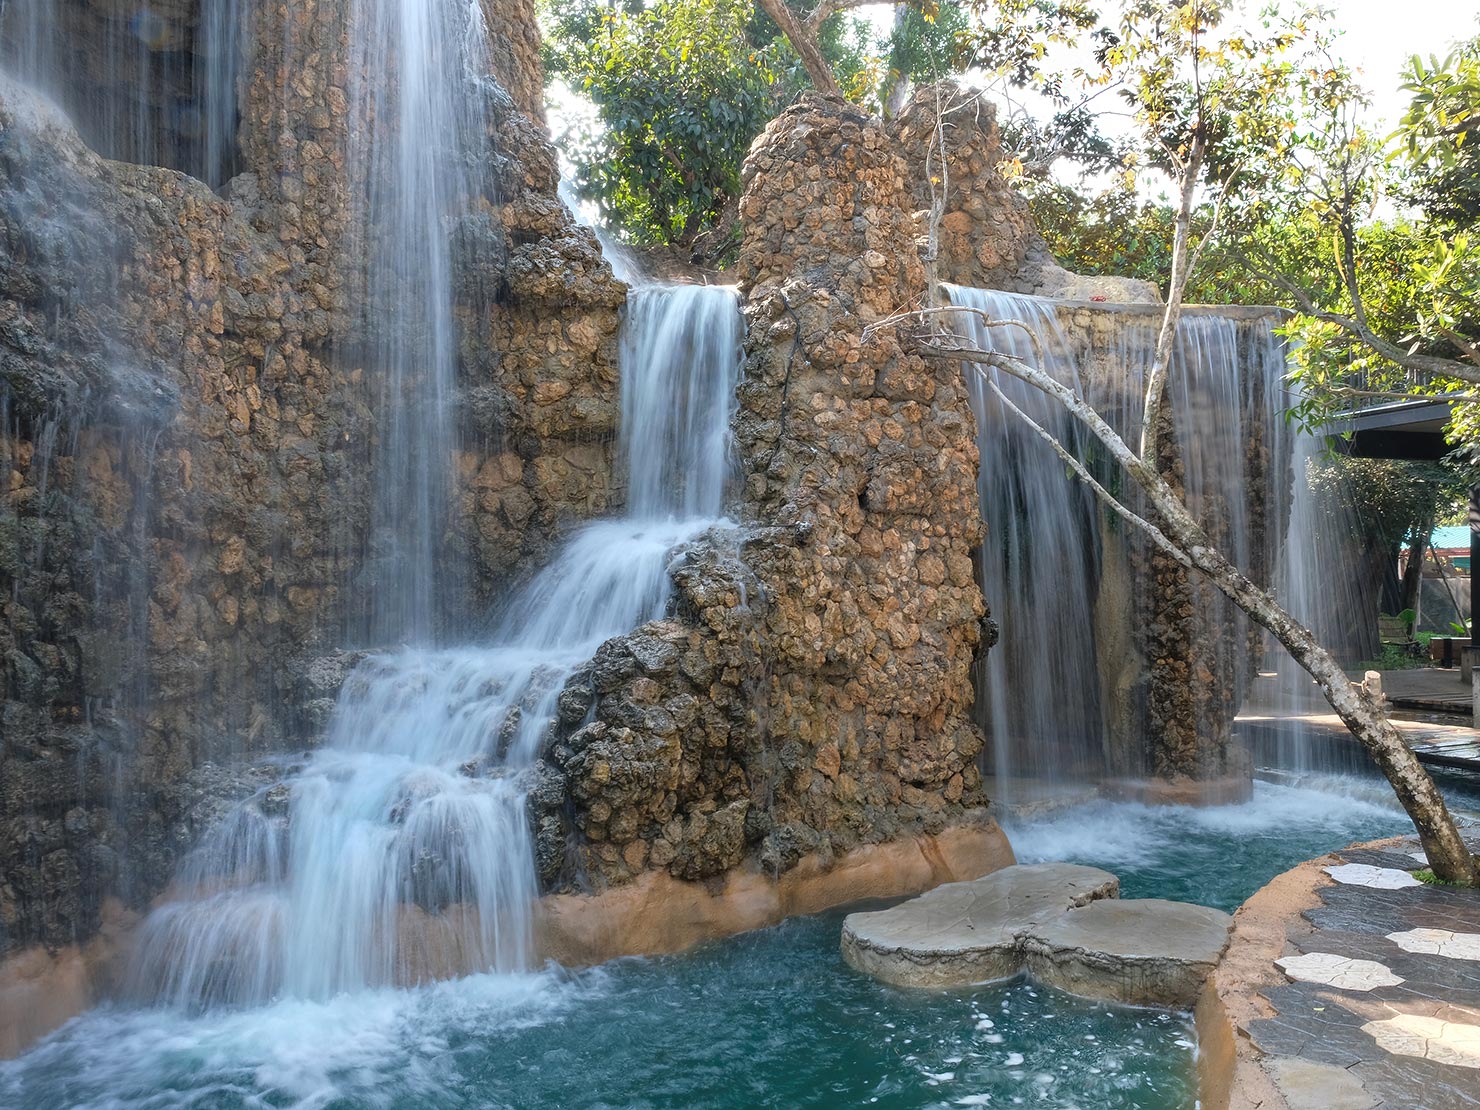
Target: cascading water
{"x": 1037, "y": 695}
{"x": 403, "y": 852}
{"x": 417, "y": 161}
{"x": 1057, "y": 569}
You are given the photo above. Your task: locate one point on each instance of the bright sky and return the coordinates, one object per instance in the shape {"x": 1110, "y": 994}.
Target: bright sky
{"x": 1381, "y": 35}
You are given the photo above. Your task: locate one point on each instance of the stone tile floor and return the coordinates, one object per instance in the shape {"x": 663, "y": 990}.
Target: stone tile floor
{"x": 1385, "y": 989}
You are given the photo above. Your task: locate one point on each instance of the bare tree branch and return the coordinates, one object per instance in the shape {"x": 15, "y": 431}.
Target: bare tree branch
{"x": 804, "y": 41}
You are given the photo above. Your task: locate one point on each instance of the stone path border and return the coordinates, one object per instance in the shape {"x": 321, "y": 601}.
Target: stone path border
{"x": 1345, "y": 989}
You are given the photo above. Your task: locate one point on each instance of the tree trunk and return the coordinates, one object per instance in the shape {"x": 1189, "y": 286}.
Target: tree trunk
{"x": 805, "y": 44}
{"x": 1450, "y": 859}
{"x": 1418, "y": 540}
{"x": 899, "y": 84}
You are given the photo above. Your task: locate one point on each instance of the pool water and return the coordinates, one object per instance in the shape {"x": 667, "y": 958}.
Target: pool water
{"x": 772, "y": 1018}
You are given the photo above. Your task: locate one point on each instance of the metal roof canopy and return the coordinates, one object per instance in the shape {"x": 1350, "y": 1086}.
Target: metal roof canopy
{"x": 1411, "y": 430}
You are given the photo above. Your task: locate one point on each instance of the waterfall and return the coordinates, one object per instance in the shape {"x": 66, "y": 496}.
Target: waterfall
{"x": 402, "y": 850}
{"x": 418, "y": 160}
{"x": 1058, "y": 695}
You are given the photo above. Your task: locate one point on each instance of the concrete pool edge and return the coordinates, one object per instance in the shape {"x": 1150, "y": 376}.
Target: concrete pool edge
{"x": 657, "y": 914}
{"x": 42, "y": 990}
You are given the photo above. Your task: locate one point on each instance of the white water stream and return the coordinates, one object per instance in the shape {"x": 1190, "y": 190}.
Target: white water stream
{"x": 1048, "y": 554}
{"x": 405, "y": 852}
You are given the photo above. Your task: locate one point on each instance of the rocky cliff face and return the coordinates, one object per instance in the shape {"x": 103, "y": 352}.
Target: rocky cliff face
{"x": 812, "y": 692}
{"x": 187, "y": 424}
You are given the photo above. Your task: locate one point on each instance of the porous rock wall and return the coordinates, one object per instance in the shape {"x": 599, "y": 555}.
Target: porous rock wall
{"x": 187, "y": 432}
{"x": 948, "y": 136}
{"x": 812, "y": 691}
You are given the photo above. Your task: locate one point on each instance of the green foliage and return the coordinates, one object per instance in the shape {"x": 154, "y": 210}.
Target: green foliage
{"x": 1424, "y": 875}
{"x": 1107, "y": 232}
{"x": 1394, "y": 657}
{"x": 1440, "y": 135}
{"x": 927, "y": 42}
{"x": 679, "y": 88}
{"x": 1384, "y": 497}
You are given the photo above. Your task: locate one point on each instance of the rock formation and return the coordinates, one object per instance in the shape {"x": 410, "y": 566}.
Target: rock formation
{"x": 191, "y": 415}
{"x": 187, "y": 430}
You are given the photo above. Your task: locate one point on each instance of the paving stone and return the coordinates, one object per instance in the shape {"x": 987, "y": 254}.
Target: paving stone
{"x": 1343, "y": 972}
{"x": 1430, "y": 1038}
{"x": 1379, "y": 878}
{"x": 1439, "y": 942}
{"x": 1410, "y": 1039}
{"x": 1307, "y": 1085}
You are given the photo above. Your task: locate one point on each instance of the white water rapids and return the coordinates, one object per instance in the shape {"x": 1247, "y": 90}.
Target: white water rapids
{"x": 405, "y": 853}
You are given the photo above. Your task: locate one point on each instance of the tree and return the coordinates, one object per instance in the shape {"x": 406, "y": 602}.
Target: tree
{"x": 1203, "y": 95}
{"x": 680, "y": 89}
{"x": 1388, "y": 307}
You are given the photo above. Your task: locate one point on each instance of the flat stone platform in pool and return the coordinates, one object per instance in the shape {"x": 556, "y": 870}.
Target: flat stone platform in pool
{"x": 1063, "y": 923}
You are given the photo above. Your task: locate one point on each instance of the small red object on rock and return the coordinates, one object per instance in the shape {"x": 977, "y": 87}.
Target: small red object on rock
{"x": 1097, "y": 298}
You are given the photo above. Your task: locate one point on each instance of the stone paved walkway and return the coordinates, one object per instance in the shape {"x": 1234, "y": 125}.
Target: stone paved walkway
{"x": 1381, "y": 1001}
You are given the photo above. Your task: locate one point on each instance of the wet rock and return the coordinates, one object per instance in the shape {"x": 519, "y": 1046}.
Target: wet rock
{"x": 276, "y": 800}
{"x": 784, "y": 846}
{"x": 1146, "y": 951}
{"x": 712, "y": 843}
{"x": 970, "y": 932}
{"x": 184, "y": 525}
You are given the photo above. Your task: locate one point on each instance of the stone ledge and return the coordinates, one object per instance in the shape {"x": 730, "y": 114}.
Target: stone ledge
{"x": 1062, "y": 923}
{"x": 1224, "y": 791}
{"x": 652, "y": 915}
{"x": 41, "y": 991}
{"x": 969, "y": 932}
{"x": 1147, "y": 952}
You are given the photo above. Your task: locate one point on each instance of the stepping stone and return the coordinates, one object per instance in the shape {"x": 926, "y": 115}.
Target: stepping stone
{"x": 1060, "y": 922}
{"x": 968, "y": 932}
{"x": 1342, "y": 972}
{"x": 1439, "y": 942}
{"x": 1146, "y": 951}
{"x": 1378, "y": 878}
{"x": 1308, "y": 1085}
